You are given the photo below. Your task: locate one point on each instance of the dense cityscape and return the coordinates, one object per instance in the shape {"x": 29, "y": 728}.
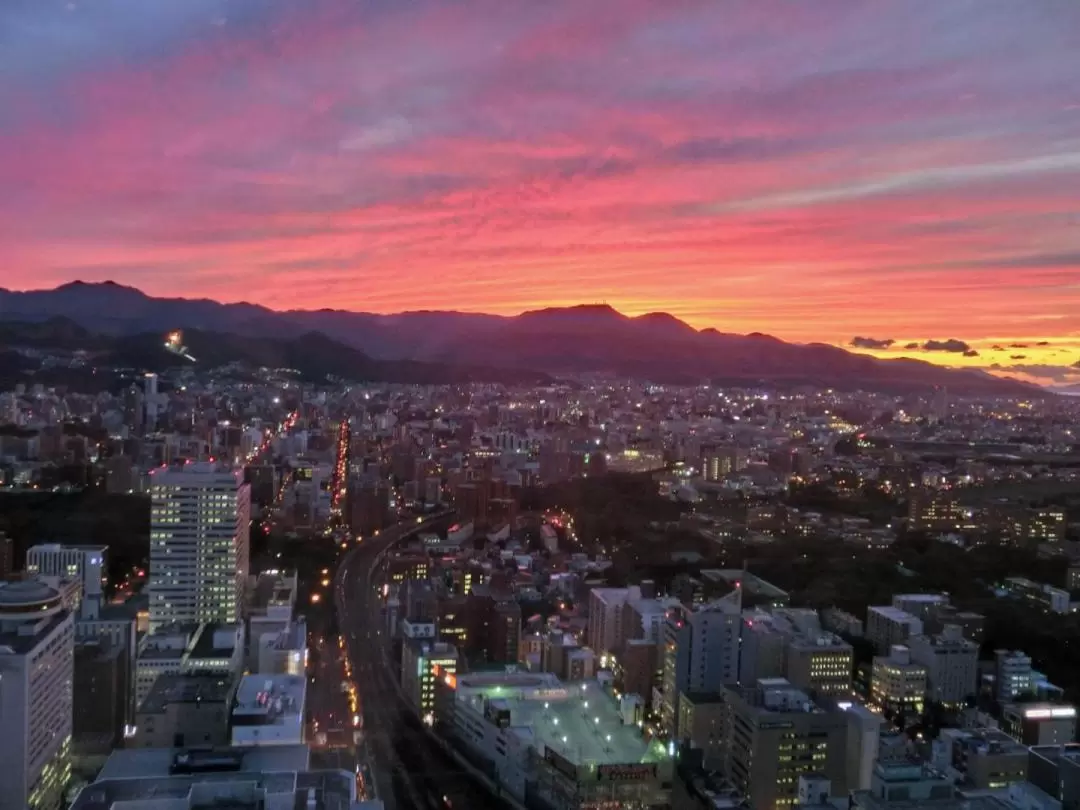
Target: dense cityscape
{"x": 234, "y": 584}
{"x": 551, "y": 405}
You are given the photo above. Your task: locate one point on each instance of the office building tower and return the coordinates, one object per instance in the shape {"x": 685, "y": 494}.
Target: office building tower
{"x": 186, "y": 710}
{"x": 887, "y": 625}
{"x": 605, "y": 630}
{"x": 504, "y": 632}
{"x": 951, "y": 662}
{"x": 703, "y": 726}
{"x": 83, "y": 563}
{"x": 36, "y": 674}
{"x": 987, "y": 759}
{"x": 150, "y": 401}
{"x": 102, "y": 684}
{"x": 719, "y": 461}
{"x": 791, "y": 643}
{"x": 1012, "y": 675}
{"x": 420, "y": 659}
{"x": 763, "y": 647}
{"x": 778, "y": 733}
{"x": 116, "y": 628}
{"x": 822, "y": 663}
{"x": 199, "y": 525}
{"x": 134, "y": 410}
{"x": 1055, "y": 770}
{"x": 700, "y": 654}
{"x": 1040, "y": 723}
{"x": 897, "y": 683}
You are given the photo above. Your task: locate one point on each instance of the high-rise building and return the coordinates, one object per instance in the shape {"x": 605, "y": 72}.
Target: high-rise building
{"x": 420, "y": 661}
{"x": 721, "y": 460}
{"x": 83, "y": 563}
{"x": 36, "y": 674}
{"x": 504, "y": 632}
{"x": 763, "y": 647}
{"x": 1012, "y": 675}
{"x": 952, "y": 664}
{"x": 822, "y": 663}
{"x": 703, "y": 726}
{"x": 778, "y": 733}
{"x": 887, "y": 625}
{"x": 115, "y": 627}
{"x": 605, "y": 630}
{"x": 186, "y": 710}
{"x": 134, "y": 410}
{"x": 897, "y": 683}
{"x": 700, "y": 654}
{"x": 932, "y": 511}
{"x": 102, "y": 683}
{"x": 150, "y": 400}
{"x": 199, "y": 525}
{"x": 791, "y": 643}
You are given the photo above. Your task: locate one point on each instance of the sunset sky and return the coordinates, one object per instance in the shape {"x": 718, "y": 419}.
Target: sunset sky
{"x": 905, "y": 170}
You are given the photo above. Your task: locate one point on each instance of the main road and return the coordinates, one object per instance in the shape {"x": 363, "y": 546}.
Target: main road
{"x": 410, "y": 770}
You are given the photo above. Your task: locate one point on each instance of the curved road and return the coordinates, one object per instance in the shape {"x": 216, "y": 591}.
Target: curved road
{"x": 410, "y": 770}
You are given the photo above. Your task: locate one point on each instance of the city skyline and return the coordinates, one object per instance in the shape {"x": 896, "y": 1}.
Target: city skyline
{"x": 899, "y": 173}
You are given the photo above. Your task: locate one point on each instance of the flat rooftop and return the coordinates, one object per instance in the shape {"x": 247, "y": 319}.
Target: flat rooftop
{"x": 333, "y": 790}
{"x": 204, "y": 646}
{"x": 274, "y": 589}
{"x": 930, "y": 598}
{"x": 189, "y": 687}
{"x": 150, "y": 763}
{"x": 578, "y": 720}
{"x": 993, "y": 741}
{"x": 21, "y": 644}
{"x": 776, "y": 695}
{"x": 890, "y": 612}
{"x": 264, "y": 701}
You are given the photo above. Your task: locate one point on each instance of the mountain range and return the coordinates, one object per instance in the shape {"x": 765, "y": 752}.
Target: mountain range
{"x": 312, "y": 354}
{"x": 442, "y": 346}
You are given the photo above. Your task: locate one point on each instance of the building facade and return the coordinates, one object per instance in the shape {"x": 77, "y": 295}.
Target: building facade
{"x": 952, "y": 665}
{"x": 199, "y": 526}
{"x": 887, "y": 625}
{"x": 897, "y": 683}
{"x": 700, "y": 654}
{"x": 83, "y": 563}
{"x": 37, "y": 671}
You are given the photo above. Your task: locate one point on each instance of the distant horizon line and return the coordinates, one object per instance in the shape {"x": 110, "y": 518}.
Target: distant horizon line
{"x": 595, "y": 305}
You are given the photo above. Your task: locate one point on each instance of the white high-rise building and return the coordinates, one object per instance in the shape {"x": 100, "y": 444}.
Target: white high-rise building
{"x": 700, "y": 653}
{"x": 37, "y": 670}
{"x": 952, "y": 664}
{"x": 84, "y": 563}
{"x": 199, "y": 527}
